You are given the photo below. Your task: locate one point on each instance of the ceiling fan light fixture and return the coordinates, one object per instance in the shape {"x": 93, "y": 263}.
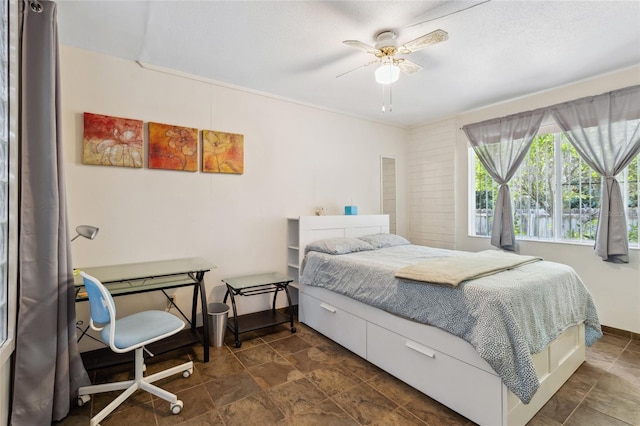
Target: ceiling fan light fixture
{"x": 387, "y": 73}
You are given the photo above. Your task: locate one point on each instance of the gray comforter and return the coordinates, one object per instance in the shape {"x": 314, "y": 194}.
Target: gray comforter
{"x": 506, "y": 317}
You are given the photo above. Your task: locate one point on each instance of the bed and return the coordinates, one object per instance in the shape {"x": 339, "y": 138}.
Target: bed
{"x": 354, "y": 307}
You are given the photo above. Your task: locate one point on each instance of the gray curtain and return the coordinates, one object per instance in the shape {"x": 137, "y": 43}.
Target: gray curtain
{"x": 501, "y": 144}
{"x": 47, "y": 368}
{"x": 605, "y": 130}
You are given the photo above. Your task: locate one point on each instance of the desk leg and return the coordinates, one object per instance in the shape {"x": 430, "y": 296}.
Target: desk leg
{"x": 194, "y": 305}
{"x": 286, "y": 290}
{"x": 205, "y": 320}
{"x": 238, "y": 343}
{"x": 275, "y": 296}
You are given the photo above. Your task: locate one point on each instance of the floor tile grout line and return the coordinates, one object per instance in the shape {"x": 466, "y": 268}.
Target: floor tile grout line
{"x": 397, "y": 406}
{"x": 411, "y": 413}
{"x": 581, "y": 401}
{"x": 595, "y": 384}
{"x": 263, "y": 390}
{"x": 347, "y": 413}
{"x": 606, "y": 369}
{"x": 342, "y": 408}
{"x": 293, "y": 366}
{"x": 331, "y": 398}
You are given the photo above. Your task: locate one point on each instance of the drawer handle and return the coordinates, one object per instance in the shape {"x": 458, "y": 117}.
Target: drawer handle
{"x": 328, "y": 308}
{"x": 419, "y": 348}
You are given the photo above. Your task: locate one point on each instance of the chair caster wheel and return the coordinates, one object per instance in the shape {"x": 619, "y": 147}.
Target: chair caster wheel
{"x": 238, "y": 344}
{"x": 176, "y": 407}
{"x": 293, "y": 329}
{"x": 83, "y": 399}
{"x": 187, "y": 373}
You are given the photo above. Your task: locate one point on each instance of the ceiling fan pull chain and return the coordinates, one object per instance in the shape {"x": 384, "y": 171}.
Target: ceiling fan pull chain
{"x": 384, "y": 103}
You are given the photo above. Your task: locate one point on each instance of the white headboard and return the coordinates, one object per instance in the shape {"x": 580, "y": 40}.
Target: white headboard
{"x": 314, "y": 228}
{"x": 306, "y": 229}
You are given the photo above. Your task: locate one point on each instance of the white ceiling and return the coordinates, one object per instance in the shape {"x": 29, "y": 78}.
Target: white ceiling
{"x": 497, "y": 50}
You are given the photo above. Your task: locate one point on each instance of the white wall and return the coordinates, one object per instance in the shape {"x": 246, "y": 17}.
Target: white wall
{"x": 431, "y": 210}
{"x": 615, "y": 287}
{"x": 296, "y": 158}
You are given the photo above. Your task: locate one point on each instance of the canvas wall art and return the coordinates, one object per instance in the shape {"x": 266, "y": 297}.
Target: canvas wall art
{"x": 112, "y": 141}
{"x": 173, "y": 147}
{"x": 222, "y": 152}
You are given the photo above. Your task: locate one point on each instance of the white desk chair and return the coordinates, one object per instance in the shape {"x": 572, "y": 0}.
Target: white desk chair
{"x": 126, "y": 334}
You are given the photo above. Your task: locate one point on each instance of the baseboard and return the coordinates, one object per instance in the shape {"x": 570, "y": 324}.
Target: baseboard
{"x": 618, "y": 332}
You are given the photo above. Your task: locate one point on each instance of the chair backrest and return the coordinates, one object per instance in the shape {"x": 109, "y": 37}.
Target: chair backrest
{"x": 103, "y": 310}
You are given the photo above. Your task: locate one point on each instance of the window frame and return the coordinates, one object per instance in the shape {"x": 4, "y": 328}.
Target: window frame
{"x": 8, "y": 346}
{"x": 548, "y": 127}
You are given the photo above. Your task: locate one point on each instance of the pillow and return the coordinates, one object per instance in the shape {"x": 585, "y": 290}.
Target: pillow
{"x": 385, "y": 240}
{"x": 339, "y": 245}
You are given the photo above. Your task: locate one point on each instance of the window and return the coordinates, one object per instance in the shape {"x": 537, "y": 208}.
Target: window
{"x": 4, "y": 169}
{"x": 556, "y": 195}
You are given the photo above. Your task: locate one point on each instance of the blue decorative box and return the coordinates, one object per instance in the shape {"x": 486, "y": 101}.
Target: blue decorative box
{"x": 350, "y": 210}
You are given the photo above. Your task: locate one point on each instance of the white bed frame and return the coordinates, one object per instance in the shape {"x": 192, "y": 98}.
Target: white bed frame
{"x": 431, "y": 360}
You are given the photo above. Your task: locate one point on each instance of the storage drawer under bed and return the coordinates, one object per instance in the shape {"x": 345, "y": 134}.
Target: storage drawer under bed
{"x": 440, "y": 376}
{"x": 344, "y": 328}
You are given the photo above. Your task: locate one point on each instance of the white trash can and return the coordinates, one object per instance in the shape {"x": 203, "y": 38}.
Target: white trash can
{"x": 218, "y": 314}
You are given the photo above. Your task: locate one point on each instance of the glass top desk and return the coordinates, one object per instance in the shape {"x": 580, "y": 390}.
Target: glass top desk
{"x": 133, "y": 278}
{"x": 250, "y": 285}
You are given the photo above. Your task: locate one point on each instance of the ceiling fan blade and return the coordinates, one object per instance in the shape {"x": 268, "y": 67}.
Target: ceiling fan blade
{"x": 355, "y": 69}
{"x": 433, "y": 37}
{"x": 362, "y": 46}
{"x": 409, "y": 67}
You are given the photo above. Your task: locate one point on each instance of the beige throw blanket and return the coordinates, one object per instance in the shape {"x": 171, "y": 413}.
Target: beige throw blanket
{"x": 453, "y": 270}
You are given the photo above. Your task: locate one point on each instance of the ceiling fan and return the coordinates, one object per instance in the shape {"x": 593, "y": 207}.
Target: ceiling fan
{"x": 387, "y": 48}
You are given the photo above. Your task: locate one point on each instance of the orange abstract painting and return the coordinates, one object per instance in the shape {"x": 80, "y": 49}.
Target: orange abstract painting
{"x": 112, "y": 141}
{"x": 173, "y": 147}
{"x": 222, "y": 152}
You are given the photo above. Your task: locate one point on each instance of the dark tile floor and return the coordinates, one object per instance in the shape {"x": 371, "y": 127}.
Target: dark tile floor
{"x": 305, "y": 379}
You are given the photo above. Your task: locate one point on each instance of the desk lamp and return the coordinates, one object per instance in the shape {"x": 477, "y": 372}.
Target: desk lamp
{"x": 86, "y": 231}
